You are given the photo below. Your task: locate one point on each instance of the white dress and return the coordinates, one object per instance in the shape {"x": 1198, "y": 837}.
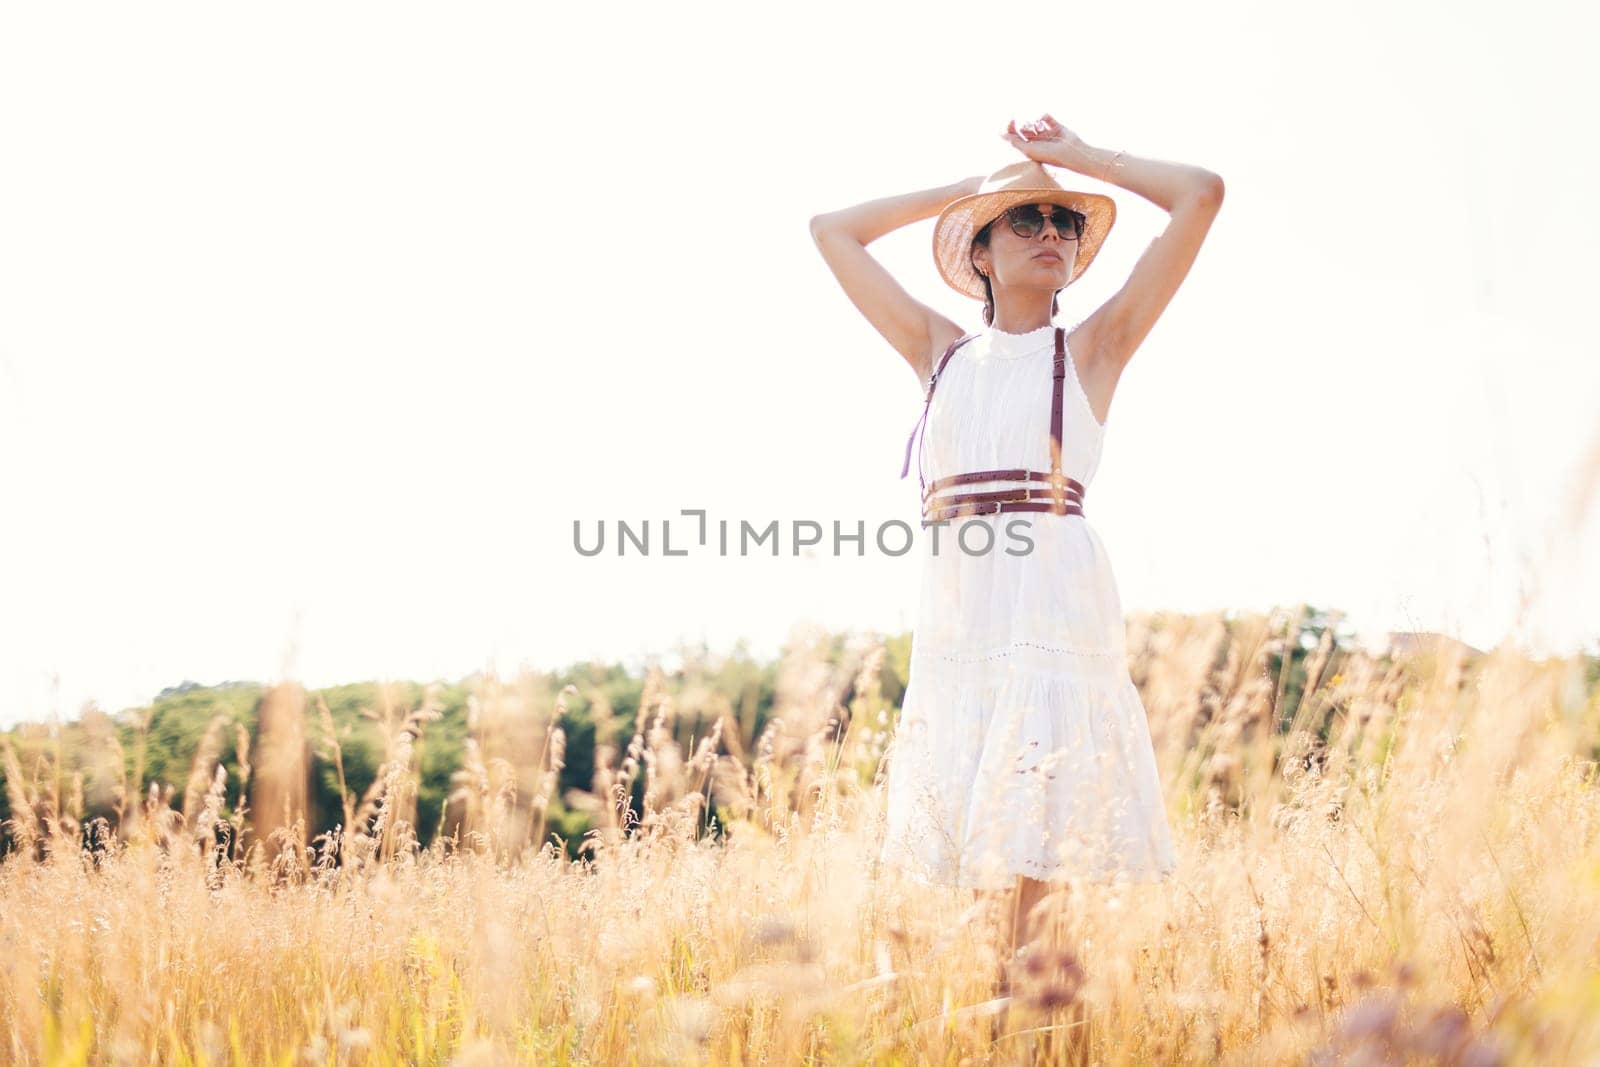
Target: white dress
{"x": 1022, "y": 745}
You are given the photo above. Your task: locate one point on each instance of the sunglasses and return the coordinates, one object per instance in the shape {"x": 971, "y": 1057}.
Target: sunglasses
{"x": 1026, "y": 220}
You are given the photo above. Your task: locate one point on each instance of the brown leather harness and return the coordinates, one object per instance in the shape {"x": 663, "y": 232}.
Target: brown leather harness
{"x": 1065, "y": 495}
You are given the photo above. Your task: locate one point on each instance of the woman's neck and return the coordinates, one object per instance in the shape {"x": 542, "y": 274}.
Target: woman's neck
{"x": 1026, "y": 313}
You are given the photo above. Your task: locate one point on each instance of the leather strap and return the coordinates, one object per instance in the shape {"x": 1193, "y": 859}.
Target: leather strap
{"x": 1066, "y": 494}
{"x": 990, "y": 509}
{"x": 1010, "y": 474}
{"x": 1020, "y": 492}
{"x": 1056, "y": 387}
{"x": 933, "y": 379}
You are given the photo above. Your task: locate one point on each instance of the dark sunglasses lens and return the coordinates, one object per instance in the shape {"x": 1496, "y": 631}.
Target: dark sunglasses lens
{"x": 1026, "y": 220}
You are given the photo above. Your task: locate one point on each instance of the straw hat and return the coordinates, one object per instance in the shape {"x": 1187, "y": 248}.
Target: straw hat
{"x": 1024, "y": 182}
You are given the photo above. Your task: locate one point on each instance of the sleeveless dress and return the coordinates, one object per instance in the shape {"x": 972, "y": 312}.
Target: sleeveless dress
{"x": 1022, "y": 745}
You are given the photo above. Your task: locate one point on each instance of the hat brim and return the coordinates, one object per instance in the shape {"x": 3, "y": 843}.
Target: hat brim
{"x": 961, "y": 219}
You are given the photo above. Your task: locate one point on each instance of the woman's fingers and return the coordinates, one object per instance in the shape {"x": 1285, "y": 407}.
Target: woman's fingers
{"x": 1043, "y": 126}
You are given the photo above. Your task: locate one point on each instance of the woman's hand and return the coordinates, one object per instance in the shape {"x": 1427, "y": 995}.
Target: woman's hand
{"x": 1044, "y": 140}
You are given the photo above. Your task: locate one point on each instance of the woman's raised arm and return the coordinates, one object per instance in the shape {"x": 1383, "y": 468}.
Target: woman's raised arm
{"x": 1191, "y": 195}
{"x": 914, "y": 330}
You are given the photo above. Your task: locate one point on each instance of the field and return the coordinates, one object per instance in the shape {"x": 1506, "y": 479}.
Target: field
{"x": 1384, "y": 858}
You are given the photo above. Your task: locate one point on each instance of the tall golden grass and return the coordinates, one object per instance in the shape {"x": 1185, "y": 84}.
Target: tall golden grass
{"x": 1408, "y": 867}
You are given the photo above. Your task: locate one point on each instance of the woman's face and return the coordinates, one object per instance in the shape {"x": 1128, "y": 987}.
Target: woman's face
{"x": 1042, "y": 261}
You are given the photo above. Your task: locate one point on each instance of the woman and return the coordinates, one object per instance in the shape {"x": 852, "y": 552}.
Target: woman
{"x": 1022, "y": 756}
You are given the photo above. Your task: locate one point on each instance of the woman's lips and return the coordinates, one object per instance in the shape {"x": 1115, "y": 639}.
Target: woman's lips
{"x": 1047, "y": 255}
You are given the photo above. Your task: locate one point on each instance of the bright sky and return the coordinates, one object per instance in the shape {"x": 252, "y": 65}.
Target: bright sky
{"x": 319, "y": 325}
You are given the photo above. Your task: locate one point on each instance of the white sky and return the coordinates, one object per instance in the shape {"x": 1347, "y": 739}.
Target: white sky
{"x": 319, "y": 324}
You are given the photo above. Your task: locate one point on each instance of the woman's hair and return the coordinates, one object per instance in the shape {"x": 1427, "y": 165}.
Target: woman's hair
{"x": 982, "y": 238}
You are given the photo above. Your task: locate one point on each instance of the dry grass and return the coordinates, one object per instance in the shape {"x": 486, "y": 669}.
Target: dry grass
{"x": 1407, "y": 869}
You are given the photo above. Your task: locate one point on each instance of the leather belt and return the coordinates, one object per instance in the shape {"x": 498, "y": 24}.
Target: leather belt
{"x": 1060, "y": 496}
